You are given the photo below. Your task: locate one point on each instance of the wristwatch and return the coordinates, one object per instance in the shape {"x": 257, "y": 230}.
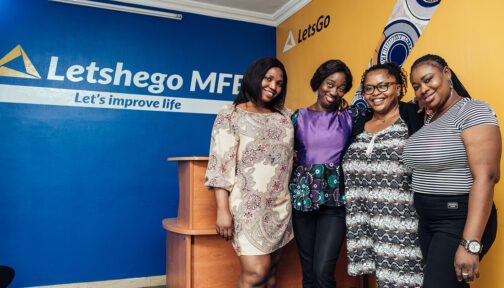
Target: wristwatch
{"x": 472, "y": 246}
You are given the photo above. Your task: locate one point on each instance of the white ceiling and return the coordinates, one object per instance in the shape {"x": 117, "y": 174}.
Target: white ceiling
{"x": 261, "y": 6}
{"x": 267, "y": 12}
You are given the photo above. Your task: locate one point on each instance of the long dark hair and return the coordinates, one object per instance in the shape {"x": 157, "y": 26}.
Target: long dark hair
{"x": 392, "y": 69}
{"x": 440, "y": 63}
{"x": 251, "y": 89}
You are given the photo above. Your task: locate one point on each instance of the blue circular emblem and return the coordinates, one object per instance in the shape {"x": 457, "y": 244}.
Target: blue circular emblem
{"x": 422, "y": 9}
{"x": 400, "y": 36}
{"x": 427, "y": 3}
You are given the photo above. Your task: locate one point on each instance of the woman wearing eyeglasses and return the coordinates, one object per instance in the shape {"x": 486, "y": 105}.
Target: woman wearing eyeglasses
{"x": 381, "y": 220}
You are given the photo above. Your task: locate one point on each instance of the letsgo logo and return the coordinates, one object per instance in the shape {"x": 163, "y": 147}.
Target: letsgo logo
{"x": 290, "y": 43}
{"x": 310, "y": 31}
{"x": 30, "y": 71}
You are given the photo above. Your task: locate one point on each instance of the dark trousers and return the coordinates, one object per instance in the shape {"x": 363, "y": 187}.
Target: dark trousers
{"x": 441, "y": 225}
{"x": 319, "y": 235}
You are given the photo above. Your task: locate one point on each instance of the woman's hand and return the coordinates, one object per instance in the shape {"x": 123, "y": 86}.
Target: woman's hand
{"x": 423, "y": 106}
{"x": 295, "y": 160}
{"x": 483, "y": 147}
{"x": 466, "y": 265}
{"x": 224, "y": 223}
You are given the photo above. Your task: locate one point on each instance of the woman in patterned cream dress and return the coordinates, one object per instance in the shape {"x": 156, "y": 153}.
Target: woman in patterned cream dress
{"x": 250, "y": 164}
{"x": 381, "y": 220}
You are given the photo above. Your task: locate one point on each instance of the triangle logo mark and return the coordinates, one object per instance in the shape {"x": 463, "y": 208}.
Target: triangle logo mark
{"x": 31, "y": 72}
{"x": 289, "y": 43}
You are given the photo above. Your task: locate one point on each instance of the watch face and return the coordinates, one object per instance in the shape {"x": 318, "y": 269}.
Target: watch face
{"x": 474, "y": 247}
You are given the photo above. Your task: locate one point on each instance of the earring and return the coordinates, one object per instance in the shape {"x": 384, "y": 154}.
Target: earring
{"x": 398, "y": 94}
{"x": 451, "y": 86}
{"x": 316, "y": 94}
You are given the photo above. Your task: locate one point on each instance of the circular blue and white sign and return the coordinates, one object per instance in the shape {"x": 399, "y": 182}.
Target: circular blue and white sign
{"x": 400, "y": 37}
{"x": 422, "y": 9}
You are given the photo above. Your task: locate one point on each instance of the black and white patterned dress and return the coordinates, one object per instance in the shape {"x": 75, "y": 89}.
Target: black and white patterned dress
{"x": 381, "y": 220}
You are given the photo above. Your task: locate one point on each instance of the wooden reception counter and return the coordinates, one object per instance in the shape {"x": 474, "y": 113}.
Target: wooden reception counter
{"x": 196, "y": 257}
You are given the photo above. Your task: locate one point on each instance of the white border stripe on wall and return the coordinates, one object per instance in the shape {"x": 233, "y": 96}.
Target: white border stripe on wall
{"x": 110, "y": 100}
{"x": 142, "y": 282}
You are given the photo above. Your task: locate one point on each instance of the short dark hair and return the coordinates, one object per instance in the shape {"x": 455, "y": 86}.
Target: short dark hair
{"x": 439, "y": 62}
{"x": 327, "y": 69}
{"x": 393, "y": 70}
{"x": 250, "y": 89}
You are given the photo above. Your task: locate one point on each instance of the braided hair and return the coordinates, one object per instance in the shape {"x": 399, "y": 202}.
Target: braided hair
{"x": 439, "y": 62}
{"x": 393, "y": 70}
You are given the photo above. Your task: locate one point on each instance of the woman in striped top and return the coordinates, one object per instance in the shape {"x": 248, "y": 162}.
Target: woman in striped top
{"x": 455, "y": 161}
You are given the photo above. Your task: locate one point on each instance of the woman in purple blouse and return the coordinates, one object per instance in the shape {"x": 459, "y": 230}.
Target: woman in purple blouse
{"x": 322, "y": 132}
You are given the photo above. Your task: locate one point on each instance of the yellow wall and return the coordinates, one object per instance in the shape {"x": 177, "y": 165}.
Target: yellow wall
{"x": 352, "y": 35}
{"x": 467, "y": 34}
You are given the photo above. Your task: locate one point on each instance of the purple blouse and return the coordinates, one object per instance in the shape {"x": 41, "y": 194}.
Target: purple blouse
{"x": 320, "y": 140}
{"x": 321, "y": 137}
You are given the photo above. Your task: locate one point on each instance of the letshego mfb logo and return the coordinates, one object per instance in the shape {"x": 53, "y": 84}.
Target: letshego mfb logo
{"x": 93, "y": 73}
{"x": 30, "y": 71}
{"x": 17, "y": 64}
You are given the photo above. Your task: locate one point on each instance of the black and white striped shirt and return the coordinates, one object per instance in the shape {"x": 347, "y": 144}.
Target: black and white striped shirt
{"x": 436, "y": 153}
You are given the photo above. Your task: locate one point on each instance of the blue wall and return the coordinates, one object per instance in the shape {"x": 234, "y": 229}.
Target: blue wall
{"x": 84, "y": 190}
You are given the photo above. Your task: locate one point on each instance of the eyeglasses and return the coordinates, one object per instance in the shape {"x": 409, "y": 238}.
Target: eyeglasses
{"x": 382, "y": 87}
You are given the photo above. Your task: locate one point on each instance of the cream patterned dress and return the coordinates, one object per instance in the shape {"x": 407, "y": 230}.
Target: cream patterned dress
{"x": 251, "y": 156}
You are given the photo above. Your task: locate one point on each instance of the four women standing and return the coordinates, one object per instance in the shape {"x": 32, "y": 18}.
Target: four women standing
{"x": 454, "y": 160}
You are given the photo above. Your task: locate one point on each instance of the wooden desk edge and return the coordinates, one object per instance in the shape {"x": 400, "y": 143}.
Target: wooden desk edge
{"x": 170, "y": 224}
{"x": 195, "y": 158}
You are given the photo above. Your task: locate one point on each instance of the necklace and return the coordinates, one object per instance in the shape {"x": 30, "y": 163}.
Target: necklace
{"x": 376, "y": 125}
{"x": 393, "y": 115}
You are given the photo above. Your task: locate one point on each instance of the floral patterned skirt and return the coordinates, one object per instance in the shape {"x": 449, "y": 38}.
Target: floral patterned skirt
{"x": 314, "y": 185}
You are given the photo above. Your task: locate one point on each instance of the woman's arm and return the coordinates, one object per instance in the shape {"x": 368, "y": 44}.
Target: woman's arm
{"x": 221, "y": 171}
{"x": 224, "y": 223}
{"x": 483, "y": 147}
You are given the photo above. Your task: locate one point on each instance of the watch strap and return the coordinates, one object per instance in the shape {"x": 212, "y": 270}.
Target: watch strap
{"x": 466, "y": 243}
